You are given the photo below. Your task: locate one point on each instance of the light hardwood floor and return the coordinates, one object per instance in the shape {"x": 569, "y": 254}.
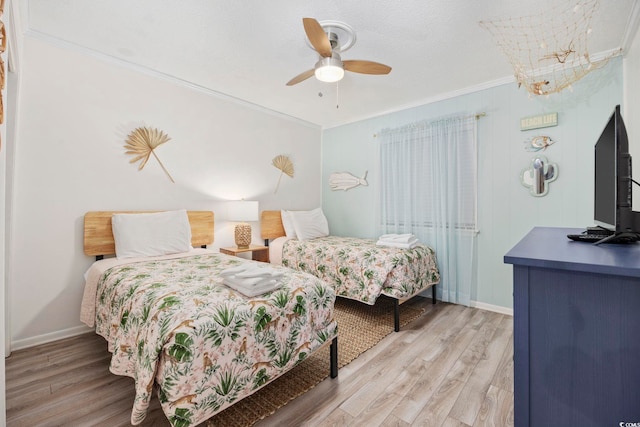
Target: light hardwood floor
{"x": 452, "y": 367}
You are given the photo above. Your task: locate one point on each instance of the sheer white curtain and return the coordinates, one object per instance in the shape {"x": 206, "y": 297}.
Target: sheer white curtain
{"x": 428, "y": 173}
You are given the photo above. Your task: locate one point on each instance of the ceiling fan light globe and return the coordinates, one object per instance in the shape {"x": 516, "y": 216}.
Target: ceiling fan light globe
{"x": 329, "y": 73}
{"x": 329, "y": 70}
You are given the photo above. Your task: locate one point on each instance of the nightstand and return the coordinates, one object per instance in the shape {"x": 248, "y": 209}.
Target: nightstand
{"x": 258, "y": 253}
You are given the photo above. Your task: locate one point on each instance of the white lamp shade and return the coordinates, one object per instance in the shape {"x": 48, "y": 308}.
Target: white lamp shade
{"x": 242, "y": 210}
{"x": 329, "y": 69}
{"x": 329, "y": 73}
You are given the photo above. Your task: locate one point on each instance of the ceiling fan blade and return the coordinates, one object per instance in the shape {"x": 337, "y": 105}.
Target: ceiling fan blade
{"x": 317, "y": 37}
{"x": 366, "y": 67}
{"x": 301, "y": 77}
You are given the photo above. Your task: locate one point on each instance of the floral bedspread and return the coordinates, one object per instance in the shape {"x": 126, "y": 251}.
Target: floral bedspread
{"x": 360, "y": 270}
{"x": 172, "y": 325}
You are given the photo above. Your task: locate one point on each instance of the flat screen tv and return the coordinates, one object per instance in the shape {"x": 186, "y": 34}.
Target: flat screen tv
{"x": 613, "y": 208}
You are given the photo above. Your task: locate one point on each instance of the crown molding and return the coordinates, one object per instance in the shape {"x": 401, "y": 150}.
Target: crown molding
{"x": 609, "y": 54}
{"x": 63, "y": 44}
{"x": 433, "y": 99}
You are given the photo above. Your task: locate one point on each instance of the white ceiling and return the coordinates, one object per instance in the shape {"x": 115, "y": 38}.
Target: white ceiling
{"x": 249, "y": 49}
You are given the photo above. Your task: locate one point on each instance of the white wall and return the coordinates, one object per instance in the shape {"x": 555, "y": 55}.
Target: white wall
{"x": 631, "y": 110}
{"x": 506, "y": 211}
{"x": 75, "y": 113}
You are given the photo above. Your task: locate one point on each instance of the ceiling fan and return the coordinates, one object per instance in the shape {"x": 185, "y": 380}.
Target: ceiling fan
{"x": 325, "y": 39}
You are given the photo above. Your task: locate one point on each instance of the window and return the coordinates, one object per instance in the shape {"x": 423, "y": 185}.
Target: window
{"x": 428, "y": 174}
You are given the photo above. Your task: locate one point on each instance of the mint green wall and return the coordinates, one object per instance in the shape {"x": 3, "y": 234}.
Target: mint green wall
{"x": 506, "y": 210}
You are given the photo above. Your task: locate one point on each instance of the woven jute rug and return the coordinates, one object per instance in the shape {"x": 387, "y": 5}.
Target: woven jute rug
{"x": 360, "y": 327}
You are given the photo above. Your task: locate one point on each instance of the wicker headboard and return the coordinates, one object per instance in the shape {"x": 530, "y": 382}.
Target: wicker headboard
{"x": 271, "y": 225}
{"x": 98, "y": 236}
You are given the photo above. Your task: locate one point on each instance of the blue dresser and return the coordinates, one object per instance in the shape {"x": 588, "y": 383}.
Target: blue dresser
{"x": 576, "y": 314}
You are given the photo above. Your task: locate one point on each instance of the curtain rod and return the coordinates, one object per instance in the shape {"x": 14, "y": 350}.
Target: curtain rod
{"x": 476, "y": 116}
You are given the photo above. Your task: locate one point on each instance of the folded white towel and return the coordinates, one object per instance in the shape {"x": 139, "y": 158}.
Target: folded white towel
{"x": 259, "y": 272}
{"x": 398, "y": 238}
{"x": 233, "y": 270}
{"x": 247, "y": 270}
{"x": 400, "y": 245}
{"x": 259, "y": 288}
{"x": 247, "y": 282}
{"x": 252, "y": 279}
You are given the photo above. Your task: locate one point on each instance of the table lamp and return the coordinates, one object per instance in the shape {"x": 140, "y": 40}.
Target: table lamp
{"x": 243, "y": 211}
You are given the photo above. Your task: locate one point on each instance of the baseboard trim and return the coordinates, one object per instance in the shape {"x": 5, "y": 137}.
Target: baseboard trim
{"x": 491, "y": 307}
{"x": 50, "y": 337}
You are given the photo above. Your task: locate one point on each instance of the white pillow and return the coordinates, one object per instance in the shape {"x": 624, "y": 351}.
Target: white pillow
{"x": 151, "y": 234}
{"x": 287, "y": 223}
{"x": 310, "y": 224}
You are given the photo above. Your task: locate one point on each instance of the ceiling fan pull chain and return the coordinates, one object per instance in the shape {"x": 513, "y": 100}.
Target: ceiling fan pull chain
{"x": 337, "y": 95}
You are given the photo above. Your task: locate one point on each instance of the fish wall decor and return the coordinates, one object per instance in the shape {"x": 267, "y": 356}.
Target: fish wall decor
{"x": 537, "y": 143}
{"x": 345, "y": 181}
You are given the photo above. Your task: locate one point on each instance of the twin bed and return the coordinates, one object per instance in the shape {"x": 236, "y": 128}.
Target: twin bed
{"x": 176, "y": 329}
{"x": 356, "y": 268}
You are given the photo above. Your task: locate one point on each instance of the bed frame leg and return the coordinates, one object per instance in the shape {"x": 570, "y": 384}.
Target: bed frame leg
{"x": 333, "y": 357}
{"x": 396, "y": 316}
{"x": 433, "y": 294}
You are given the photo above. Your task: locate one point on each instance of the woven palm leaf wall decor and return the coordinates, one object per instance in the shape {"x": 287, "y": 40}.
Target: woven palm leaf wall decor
{"x": 285, "y": 165}
{"x": 142, "y": 142}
